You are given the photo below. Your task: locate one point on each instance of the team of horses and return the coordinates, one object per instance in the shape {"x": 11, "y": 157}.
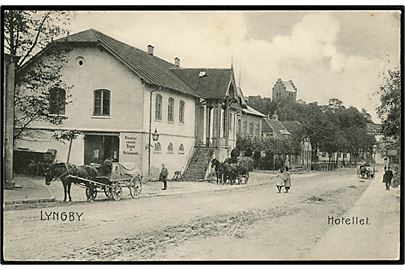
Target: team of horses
{"x": 231, "y": 171}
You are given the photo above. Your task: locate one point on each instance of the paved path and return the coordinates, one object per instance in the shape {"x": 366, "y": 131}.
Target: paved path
{"x": 377, "y": 241}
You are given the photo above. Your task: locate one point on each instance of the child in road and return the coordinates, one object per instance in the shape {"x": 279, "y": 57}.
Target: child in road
{"x": 280, "y": 181}
{"x": 287, "y": 180}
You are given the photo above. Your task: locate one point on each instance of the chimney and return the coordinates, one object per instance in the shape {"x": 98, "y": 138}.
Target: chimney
{"x": 177, "y": 61}
{"x": 150, "y": 49}
{"x": 275, "y": 116}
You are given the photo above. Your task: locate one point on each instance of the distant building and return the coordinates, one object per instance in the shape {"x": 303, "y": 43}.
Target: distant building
{"x": 284, "y": 90}
{"x": 285, "y": 130}
{"x": 250, "y": 123}
{"x": 273, "y": 128}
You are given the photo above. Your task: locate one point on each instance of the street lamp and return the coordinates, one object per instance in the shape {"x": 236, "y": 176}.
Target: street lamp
{"x": 155, "y": 136}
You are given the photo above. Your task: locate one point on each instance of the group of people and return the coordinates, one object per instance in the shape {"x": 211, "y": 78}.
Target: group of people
{"x": 284, "y": 180}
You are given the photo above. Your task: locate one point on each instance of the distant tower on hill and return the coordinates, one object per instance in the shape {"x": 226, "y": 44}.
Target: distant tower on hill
{"x": 284, "y": 90}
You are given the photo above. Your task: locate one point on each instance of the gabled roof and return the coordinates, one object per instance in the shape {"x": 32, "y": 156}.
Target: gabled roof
{"x": 288, "y": 85}
{"x": 241, "y": 96}
{"x": 251, "y": 111}
{"x": 208, "y": 82}
{"x": 276, "y": 127}
{"x": 153, "y": 70}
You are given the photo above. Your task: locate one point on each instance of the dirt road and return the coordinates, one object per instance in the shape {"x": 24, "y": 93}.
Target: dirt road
{"x": 254, "y": 222}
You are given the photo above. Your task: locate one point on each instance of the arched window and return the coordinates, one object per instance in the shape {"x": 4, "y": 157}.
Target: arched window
{"x": 57, "y": 101}
{"x": 170, "y": 148}
{"x": 170, "y": 110}
{"x": 101, "y": 102}
{"x": 158, "y": 148}
{"x": 181, "y": 149}
{"x": 158, "y": 107}
{"x": 239, "y": 126}
{"x": 181, "y": 111}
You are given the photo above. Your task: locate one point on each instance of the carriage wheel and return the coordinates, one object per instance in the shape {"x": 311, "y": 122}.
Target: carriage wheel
{"x": 135, "y": 187}
{"x": 108, "y": 192}
{"x": 116, "y": 191}
{"x": 91, "y": 193}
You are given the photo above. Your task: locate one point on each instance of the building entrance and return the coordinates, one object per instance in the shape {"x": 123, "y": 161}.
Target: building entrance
{"x": 98, "y": 148}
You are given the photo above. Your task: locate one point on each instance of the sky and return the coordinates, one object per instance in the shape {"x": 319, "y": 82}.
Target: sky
{"x": 326, "y": 54}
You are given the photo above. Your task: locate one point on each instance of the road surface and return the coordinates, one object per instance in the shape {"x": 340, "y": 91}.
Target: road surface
{"x": 252, "y": 222}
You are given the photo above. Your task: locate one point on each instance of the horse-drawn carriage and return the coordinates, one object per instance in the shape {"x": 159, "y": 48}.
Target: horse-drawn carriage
{"x": 110, "y": 178}
{"x": 234, "y": 170}
{"x": 364, "y": 170}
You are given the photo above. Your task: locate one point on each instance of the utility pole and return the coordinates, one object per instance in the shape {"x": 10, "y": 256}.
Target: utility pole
{"x": 150, "y": 130}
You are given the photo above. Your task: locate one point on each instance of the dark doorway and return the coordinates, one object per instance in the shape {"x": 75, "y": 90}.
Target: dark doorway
{"x": 98, "y": 148}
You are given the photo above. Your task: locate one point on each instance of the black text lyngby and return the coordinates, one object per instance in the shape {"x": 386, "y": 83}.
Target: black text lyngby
{"x": 62, "y": 216}
{"x": 348, "y": 220}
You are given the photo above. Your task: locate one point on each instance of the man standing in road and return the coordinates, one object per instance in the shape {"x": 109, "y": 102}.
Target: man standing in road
{"x": 388, "y": 175}
{"x": 163, "y": 176}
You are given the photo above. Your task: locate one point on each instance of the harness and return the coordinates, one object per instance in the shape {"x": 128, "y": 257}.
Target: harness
{"x": 67, "y": 170}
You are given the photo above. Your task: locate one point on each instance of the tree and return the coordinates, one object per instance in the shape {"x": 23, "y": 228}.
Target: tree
{"x": 389, "y": 110}
{"x": 26, "y": 33}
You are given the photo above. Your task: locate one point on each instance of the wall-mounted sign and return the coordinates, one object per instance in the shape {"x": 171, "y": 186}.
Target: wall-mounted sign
{"x": 130, "y": 144}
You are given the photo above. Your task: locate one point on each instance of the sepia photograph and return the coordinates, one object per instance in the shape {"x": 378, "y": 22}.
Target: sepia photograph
{"x": 222, "y": 134}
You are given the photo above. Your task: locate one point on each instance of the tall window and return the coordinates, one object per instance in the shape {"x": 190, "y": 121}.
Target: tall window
{"x": 101, "y": 102}
{"x": 170, "y": 109}
{"x": 239, "y": 127}
{"x": 244, "y": 128}
{"x": 257, "y": 129}
{"x": 158, "y": 107}
{"x": 181, "y": 111}
{"x": 57, "y": 100}
{"x": 250, "y": 129}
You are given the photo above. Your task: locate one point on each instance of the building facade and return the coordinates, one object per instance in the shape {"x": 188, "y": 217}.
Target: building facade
{"x": 109, "y": 106}
{"x": 120, "y": 97}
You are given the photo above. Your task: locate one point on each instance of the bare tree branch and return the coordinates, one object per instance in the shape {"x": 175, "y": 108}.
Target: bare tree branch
{"x": 35, "y": 40}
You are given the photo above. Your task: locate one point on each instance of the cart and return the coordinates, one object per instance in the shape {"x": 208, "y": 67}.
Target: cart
{"x": 111, "y": 183}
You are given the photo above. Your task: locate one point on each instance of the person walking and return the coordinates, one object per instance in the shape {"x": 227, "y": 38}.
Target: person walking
{"x": 287, "y": 180}
{"x": 163, "y": 176}
{"x": 280, "y": 180}
{"x": 388, "y": 175}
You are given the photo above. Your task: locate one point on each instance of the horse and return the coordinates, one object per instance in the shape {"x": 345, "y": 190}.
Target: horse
{"x": 218, "y": 168}
{"x": 66, "y": 173}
